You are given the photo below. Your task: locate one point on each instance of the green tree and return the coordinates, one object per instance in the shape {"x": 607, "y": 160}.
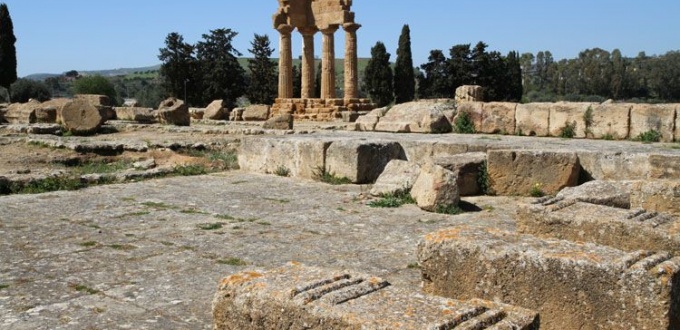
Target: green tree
{"x": 297, "y": 82}
{"x": 179, "y": 69}
{"x": 434, "y": 82}
{"x": 8, "y": 53}
{"x": 263, "y": 85}
{"x": 317, "y": 80}
{"x": 404, "y": 79}
{"x": 513, "y": 78}
{"x": 223, "y": 76}
{"x": 96, "y": 84}
{"x": 26, "y": 89}
{"x": 378, "y": 76}
{"x": 459, "y": 68}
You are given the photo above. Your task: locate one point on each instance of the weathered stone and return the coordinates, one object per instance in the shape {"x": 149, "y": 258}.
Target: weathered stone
{"x": 144, "y": 164}
{"x": 102, "y": 102}
{"x": 399, "y": 175}
{"x": 215, "y": 110}
{"x": 173, "y": 111}
{"x": 2, "y": 115}
{"x": 236, "y": 114}
{"x": 533, "y": 119}
{"x": 359, "y": 160}
{"x": 514, "y": 172}
{"x": 258, "y": 112}
{"x": 498, "y": 118}
{"x": 584, "y": 222}
{"x": 350, "y": 116}
{"x": 416, "y": 117}
{"x": 57, "y": 103}
{"x": 474, "y": 111}
{"x": 648, "y": 117}
{"x": 468, "y": 166}
{"x": 608, "y": 193}
{"x": 572, "y": 286}
{"x": 47, "y": 115}
{"x": 563, "y": 114}
{"x": 81, "y": 117}
{"x": 610, "y": 120}
{"x": 22, "y": 113}
{"x": 436, "y": 188}
{"x": 301, "y": 297}
{"x": 677, "y": 123}
{"x": 197, "y": 113}
{"x": 615, "y": 165}
{"x": 282, "y": 122}
{"x": 664, "y": 166}
{"x": 656, "y": 195}
{"x": 140, "y": 115}
{"x": 303, "y": 157}
{"x": 469, "y": 93}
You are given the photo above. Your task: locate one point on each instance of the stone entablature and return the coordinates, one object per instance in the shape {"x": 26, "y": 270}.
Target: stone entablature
{"x": 320, "y": 109}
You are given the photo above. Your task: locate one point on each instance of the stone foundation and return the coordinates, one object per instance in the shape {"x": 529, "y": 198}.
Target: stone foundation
{"x": 320, "y": 109}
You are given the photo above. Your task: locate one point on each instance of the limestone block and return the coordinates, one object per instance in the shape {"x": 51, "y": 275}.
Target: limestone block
{"x": 215, "y": 110}
{"x": 81, "y": 117}
{"x": 572, "y": 286}
{"x": 399, "y": 175}
{"x": 173, "y": 111}
{"x": 436, "y": 187}
{"x": 608, "y": 193}
{"x": 57, "y": 103}
{"x": 257, "y": 112}
{"x": 604, "y": 165}
{"x": 367, "y": 122}
{"x": 659, "y": 117}
{"x": 301, "y": 297}
{"x": 140, "y": 115}
{"x": 416, "y": 117}
{"x": 468, "y": 167}
{"x": 361, "y": 161}
{"x": 46, "y": 115}
{"x": 677, "y": 123}
{"x": 22, "y": 113}
{"x": 610, "y": 120}
{"x": 572, "y": 113}
{"x": 236, "y": 114}
{"x": 533, "y": 119}
{"x": 2, "y": 115}
{"x": 474, "y": 111}
{"x": 498, "y": 118}
{"x": 664, "y": 166}
{"x": 469, "y": 93}
{"x": 281, "y": 122}
{"x": 656, "y": 195}
{"x": 94, "y": 99}
{"x": 513, "y": 172}
{"x": 302, "y": 156}
{"x": 421, "y": 153}
{"x": 197, "y": 113}
{"x": 584, "y": 222}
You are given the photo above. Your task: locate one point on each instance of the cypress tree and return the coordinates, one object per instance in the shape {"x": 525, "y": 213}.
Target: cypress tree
{"x": 8, "y": 53}
{"x": 263, "y": 77}
{"x": 378, "y": 76}
{"x": 404, "y": 79}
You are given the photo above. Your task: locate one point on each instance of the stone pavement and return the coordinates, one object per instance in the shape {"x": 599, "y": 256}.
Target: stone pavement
{"x": 150, "y": 255}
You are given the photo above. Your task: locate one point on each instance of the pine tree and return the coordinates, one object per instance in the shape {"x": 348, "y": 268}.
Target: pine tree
{"x": 8, "y": 53}
{"x": 179, "y": 68}
{"x": 435, "y": 80}
{"x": 263, "y": 78}
{"x": 297, "y": 82}
{"x": 404, "y": 80}
{"x": 223, "y": 76}
{"x": 317, "y": 80}
{"x": 514, "y": 77}
{"x": 378, "y": 76}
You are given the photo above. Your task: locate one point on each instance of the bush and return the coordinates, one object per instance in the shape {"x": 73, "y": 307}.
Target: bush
{"x": 96, "y": 84}
{"x": 326, "y": 176}
{"x": 392, "y": 200}
{"x": 24, "y": 89}
{"x": 463, "y": 124}
{"x": 649, "y": 136}
{"x": 568, "y": 131}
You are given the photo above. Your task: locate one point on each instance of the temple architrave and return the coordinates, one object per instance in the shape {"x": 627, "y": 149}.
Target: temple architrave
{"x": 309, "y": 17}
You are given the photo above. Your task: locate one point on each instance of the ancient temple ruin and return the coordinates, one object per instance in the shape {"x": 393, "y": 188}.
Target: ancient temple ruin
{"x": 310, "y": 17}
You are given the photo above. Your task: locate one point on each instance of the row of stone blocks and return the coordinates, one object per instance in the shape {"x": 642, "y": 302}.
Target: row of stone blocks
{"x": 320, "y": 109}
{"x": 617, "y": 121}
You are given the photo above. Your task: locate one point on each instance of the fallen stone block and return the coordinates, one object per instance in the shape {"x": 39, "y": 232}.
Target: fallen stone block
{"x": 300, "y": 297}
{"x": 608, "y": 193}
{"x": 102, "y": 102}
{"x": 399, "y": 175}
{"x": 436, "y": 188}
{"x": 469, "y": 166}
{"x": 368, "y": 121}
{"x": 656, "y": 195}
{"x": 498, "y": 118}
{"x": 515, "y": 172}
{"x": 215, "y": 111}
{"x": 196, "y": 113}
{"x": 614, "y": 165}
{"x": 173, "y": 111}
{"x": 532, "y": 119}
{"x": 610, "y": 121}
{"x": 140, "y": 115}
{"x": 256, "y": 112}
{"x": 236, "y": 114}
{"x": 22, "y": 113}
{"x": 416, "y": 117}
{"x": 59, "y": 104}
{"x": 81, "y": 117}
{"x": 302, "y": 157}
{"x": 46, "y": 115}
{"x": 584, "y": 222}
{"x": 572, "y": 286}
{"x": 469, "y": 93}
{"x": 359, "y": 160}
{"x": 656, "y": 117}
{"x": 573, "y": 114}
{"x": 281, "y": 122}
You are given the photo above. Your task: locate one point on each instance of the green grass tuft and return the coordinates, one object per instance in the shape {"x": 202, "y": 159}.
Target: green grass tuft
{"x": 232, "y": 262}
{"x": 326, "y": 176}
{"x": 393, "y": 200}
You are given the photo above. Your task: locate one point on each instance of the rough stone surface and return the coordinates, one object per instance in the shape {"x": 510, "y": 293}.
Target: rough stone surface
{"x": 46, "y": 115}
{"x": 215, "y": 111}
{"x": 57, "y": 103}
{"x": 608, "y": 193}
{"x": 173, "y": 111}
{"x": 572, "y": 286}
{"x": 399, "y": 175}
{"x": 584, "y": 222}
{"x": 282, "y": 122}
{"x": 569, "y": 113}
{"x": 81, "y": 117}
{"x": 258, "y": 112}
{"x": 468, "y": 166}
{"x": 196, "y": 113}
{"x": 101, "y": 102}
{"x": 301, "y": 297}
{"x": 303, "y": 157}
{"x": 236, "y": 114}
{"x": 469, "y": 93}
{"x": 361, "y": 161}
{"x": 646, "y": 117}
{"x": 435, "y": 188}
{"x": 514, "y": 172}
{"x": 498, "y": 118}
{"x": 610, "y": 120}
{"x": 656, "y": 195}
{"x": 140, "y": 115}
{"x": 369, "y": 121}
{"x": 416, "y": 117}
{"x": 22, "y": 113}
{"x": 533, "y": 119}
{"x": 474, "y": 111}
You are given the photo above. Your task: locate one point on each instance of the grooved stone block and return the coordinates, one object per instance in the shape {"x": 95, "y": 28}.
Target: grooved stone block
{"x": 658, "y": 117}
{"x": 584, "y": 222}
{"x": 533, "y": 119}
{"x": 301, "y": 156}
{"x": 359, "y": 160}
{"x": 571, "y": 113}
{"x": 498, "y": 118}
{"x": 300, "y": 297}
{"x": 572, "y": 286}
{"x": 610, "y": 120}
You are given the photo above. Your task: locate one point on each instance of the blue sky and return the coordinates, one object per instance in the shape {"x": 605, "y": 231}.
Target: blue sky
{"x": 55, "y": 36}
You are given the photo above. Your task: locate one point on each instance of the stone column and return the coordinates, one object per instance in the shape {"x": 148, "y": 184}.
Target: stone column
{"x": 351, "y": 66}
{"x": 328, "y": 63}
{"x": 285, "y": 62}
{"x": 308, "y": 62}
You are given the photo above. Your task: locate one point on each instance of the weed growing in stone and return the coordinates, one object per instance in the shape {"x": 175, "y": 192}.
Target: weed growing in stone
{"x": 282, "y": 171}
{"x": 189, "y": 170}
{"x": 54, "y": 183}
{"x": 88, "y": 244}
{"x": 588, "y": 119}
{"x": 326, "y": 176}
{"x": 413, "y": 265}
{"x": 264, "y": 223}
{"x": 649, "y": 136}
{"x": 448, "y": 209}
{"x": 192, "y": 211}
{"x": 608, "y": 137}
{"x": 158, "y": 205}
{"x": 483, "y": 178}
{"x": 4, "y": 286}
{"x": 568, "y": 131}
{"x": 232, "y": 262}
{"x": 224, "y": 217}
{"x": 463, "y": 124}
{"x": 392, "y": 200}
{"x": 211, "y": 226}
{"x": 537, "y": 190}
{"x": 83, "y": 288}
{"x": 123, "y": 247}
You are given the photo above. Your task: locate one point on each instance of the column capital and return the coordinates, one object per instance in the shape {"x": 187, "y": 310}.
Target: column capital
{"x": 351, "y": 27}
{"x": 308, "y": 31}
{"x": 329, "y": 30}
{"x": 285, "y": 29}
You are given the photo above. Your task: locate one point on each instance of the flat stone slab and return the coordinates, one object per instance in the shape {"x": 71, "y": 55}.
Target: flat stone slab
{"x": 300, "y": 297}
{"x": 628, "y": 230}
{"x": 572, "y": 286}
